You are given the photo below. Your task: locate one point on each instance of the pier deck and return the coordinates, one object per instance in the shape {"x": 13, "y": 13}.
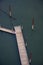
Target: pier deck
{"x": 21, "y": 46}
{"x": 7, "y": 30}
{"x": 20, "y": 43}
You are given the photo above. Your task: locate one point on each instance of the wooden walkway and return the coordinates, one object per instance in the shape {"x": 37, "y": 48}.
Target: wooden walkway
{"x": 7, "y": 30}
{"x": 21, "y": 46}
{"x": 20, "y": 43}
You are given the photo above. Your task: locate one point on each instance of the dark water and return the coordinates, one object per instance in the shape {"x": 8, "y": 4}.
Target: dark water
{"x": 23, "y": 10}
{"x": 8, "y": 50}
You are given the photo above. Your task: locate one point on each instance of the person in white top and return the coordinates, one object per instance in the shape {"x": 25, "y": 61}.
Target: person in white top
{"x": 30, "y": 58}
{"x": 33, "y": 23}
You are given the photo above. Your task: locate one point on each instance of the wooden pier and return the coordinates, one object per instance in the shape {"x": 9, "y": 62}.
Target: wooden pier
{"x": 21, "y": 46}
{"x": 20, "y": 43}
{"x": 7, "y": 30}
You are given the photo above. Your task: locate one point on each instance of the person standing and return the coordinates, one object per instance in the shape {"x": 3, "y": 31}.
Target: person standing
{"x": 10, "y": 11}
{"x": 30, "y": 58}
{"x": 33, "y": 23}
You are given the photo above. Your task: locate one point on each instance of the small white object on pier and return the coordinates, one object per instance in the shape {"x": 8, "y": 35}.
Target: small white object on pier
{"x": 7, "y": 30}
{"x": 21, "y": 46}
